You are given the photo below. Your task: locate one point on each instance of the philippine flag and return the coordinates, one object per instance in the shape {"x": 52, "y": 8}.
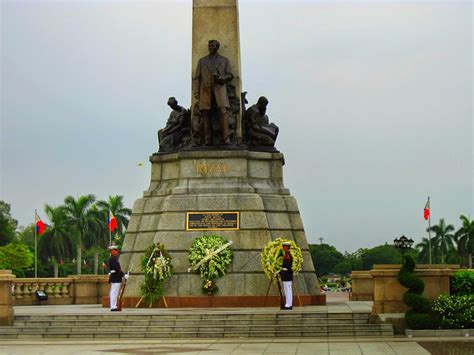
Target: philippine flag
{"x": 40, "y": 226}
{"x": 426, "y": 210}
{"x": 112, "y": 221}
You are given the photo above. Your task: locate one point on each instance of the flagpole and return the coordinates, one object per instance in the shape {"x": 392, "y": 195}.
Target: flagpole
{"x": 429, "y": 225}
{"x": 110, "y": 232}
{"x": 36, "y": 249}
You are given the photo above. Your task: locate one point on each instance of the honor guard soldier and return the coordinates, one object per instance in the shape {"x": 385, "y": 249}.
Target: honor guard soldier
{"x": 286, "y": 274}
{"x": 115, "y": 277}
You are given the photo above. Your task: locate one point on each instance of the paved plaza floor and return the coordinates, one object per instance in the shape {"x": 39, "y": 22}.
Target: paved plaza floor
{"x": 339, "y": 345}
{"x": 334, "y": 307}
{"x": 349, "y": 346}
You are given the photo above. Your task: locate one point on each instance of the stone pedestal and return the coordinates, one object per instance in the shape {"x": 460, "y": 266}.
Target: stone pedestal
{"x": 89, "y": 289}
{"x": 250, "y": 183}
{"x": 362, "y": 286}
{"x": 6, "y": 301}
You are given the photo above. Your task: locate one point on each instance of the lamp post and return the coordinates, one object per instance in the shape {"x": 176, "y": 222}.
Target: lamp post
{"x": 403, "y": 244}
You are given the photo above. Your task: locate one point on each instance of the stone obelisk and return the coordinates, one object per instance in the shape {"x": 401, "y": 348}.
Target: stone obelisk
{"x": 210, "y": 17}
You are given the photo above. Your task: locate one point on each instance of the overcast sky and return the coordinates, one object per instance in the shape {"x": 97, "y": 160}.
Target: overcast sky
{"x": 373, "y": 99}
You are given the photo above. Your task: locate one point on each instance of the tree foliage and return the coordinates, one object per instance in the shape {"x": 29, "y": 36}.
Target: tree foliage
{"x": 8, "y": 224}
{"x": 122, "y": 214}
{"x": 443, "y": 245}
{"x": 26, "y": 235}
{"x": 382, "y": 254}
{"x": 16, "y": 257}
{"x": 465, "y": 238}
{"x": 57, "y": 242}
{"x": 77, "y": 224}
{"x": 79, "y": 221}
{"x": 325, "y": 258}
{"x": 443, "y": 239}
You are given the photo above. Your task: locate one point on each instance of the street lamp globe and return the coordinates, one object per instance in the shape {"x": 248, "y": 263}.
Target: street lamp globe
{"x": 403, "y": 244}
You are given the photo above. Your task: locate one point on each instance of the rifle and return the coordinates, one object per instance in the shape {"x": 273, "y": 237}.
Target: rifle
{"x": 282, "y": 301}
{"x": 122, "y": 291}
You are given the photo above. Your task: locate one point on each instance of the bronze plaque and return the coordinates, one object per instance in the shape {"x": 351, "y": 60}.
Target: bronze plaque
{"x": 212, "y": 221}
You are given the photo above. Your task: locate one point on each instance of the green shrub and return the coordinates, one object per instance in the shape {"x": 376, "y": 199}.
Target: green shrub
{"x": 462, "y": 283}
{"x": 419, "y": 314}
{"x": 455, "y": 311}
{"x": 416, "y": 285}
{"x": 427, "y": 320}
{"x": 417, "y": 302}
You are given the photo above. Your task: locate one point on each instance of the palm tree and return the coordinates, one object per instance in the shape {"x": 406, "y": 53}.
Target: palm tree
{"x": 57, "y": 241}
{"x": 465, "y": 238}
{"x": 97, "y": 236}
{"x": 79, "y": 221}
{"x": 443, "y": 240}
{"x": 121, "y": 213}
{"x": 424, "y": 249}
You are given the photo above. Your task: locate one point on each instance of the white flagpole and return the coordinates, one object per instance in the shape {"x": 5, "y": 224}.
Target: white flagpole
{"x": 429, "y": 225}
{"x": 36, "y": 249}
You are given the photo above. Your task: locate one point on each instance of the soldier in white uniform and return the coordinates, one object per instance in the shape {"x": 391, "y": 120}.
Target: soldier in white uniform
{"x": 286, "y": 274}
{"x": 115, "y": 277}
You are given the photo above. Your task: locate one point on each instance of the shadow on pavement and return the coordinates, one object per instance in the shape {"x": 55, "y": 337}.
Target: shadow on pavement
{"x": 463, "y": 347}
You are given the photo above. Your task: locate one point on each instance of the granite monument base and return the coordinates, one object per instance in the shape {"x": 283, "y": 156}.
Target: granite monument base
{"x": 248, "y": 184}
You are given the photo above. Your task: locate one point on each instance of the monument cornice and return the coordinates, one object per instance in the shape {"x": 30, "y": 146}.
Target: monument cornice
{"x": 215, "y": 154}
{"x": 215, "y": 3}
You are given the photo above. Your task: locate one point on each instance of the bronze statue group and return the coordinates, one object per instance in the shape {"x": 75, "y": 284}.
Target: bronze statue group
{"x": 212, "y": 122}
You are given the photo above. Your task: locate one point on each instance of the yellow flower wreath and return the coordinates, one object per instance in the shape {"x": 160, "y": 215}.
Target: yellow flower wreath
{"x": 272, "y": 257}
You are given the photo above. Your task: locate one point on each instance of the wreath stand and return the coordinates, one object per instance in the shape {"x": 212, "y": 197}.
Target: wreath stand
{"x": 141, "y": 300}
{"x": 293, "y": 283}
{"x": 148, "y": 262}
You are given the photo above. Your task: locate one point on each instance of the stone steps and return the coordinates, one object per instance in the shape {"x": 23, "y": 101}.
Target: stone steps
{"x": 190, "y": 325}
{"x": 361, "y": 327}
{"x": 109, "y": 322}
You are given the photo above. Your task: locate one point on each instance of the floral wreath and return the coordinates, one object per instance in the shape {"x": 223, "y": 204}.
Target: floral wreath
{"x": 211, "y": 256}
{"x": 272, "y": 257}
{"x": 156, "y": 265}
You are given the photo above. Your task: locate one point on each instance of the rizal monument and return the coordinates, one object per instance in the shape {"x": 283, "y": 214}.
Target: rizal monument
{"x": 217, "y": 172}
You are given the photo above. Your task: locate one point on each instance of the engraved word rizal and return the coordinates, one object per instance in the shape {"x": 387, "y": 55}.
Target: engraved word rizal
{"x": 205, "y": 169}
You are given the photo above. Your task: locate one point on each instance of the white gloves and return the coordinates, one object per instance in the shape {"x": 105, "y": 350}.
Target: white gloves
{"x": 126, "y": 276}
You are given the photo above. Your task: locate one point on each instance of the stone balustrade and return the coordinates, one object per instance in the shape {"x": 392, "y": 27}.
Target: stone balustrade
{"x": 83, "y": 289}
{"x": 57, "y": 289}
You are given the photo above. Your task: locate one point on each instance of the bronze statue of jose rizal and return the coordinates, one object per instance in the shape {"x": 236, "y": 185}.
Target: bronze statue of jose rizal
{"x": 212, "y": 74}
